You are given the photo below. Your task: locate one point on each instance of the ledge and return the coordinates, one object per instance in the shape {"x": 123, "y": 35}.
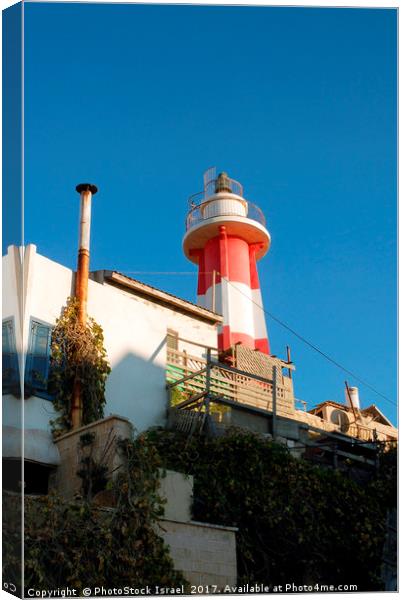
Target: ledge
{"x": 201, "y": 524}
{"x": 91, "y": 425}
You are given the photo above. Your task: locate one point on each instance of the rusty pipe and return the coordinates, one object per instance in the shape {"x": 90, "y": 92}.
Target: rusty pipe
{"x": 86, "y": 191}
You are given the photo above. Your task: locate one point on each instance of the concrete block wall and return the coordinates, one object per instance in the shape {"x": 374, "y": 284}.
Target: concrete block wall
{"x": 205, "y": 553}
{"x": 107, "y": 431}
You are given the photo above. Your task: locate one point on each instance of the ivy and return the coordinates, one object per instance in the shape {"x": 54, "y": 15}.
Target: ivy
{"x": 93, "y": 472}
{"x": 77, "y": 352}
{"x": 296, "y": 522}
{"x": 82, "y": 544}
{"x": 12, "y": 539}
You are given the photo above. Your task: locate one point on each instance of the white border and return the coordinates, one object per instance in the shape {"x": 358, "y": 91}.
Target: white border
{"x": 376, "y": 4}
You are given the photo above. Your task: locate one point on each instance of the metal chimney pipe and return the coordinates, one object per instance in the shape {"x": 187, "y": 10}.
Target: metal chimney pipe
{"x": 86, "y": 191}
{"x": 352, "y": 396}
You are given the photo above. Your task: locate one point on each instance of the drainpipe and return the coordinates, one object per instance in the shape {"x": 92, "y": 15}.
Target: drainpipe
{"x": 86, "y": 191}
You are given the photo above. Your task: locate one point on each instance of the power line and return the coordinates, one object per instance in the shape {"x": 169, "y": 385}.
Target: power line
{"x": 162, "y": 272}
{"x": 280, "y": 322}
{"x": 314, "y": 347}
{"x": 170, "y": 272}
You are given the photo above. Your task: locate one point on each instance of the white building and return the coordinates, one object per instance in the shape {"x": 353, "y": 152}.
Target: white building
{"x": 150, "y": 337}
{"x": 135, "y": 318}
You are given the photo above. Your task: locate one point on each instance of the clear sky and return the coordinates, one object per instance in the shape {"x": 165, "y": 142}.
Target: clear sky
{"x": 299, "y": 104}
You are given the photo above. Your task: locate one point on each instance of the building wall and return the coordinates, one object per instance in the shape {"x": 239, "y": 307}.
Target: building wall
{"x": 135, "y": 332}
{"x": 363, "y": 427}
{"x": 176, "y": 489}
{"x": 11, "y": 309}
{"x": 10, "y": 278}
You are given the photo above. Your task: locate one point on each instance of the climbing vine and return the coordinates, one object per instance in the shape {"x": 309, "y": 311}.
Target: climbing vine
{"x": 296, "y": 522}
{"x": 82, "y": 543}
{"x": 77, "y": 351}
{"x": 93, "y": 470}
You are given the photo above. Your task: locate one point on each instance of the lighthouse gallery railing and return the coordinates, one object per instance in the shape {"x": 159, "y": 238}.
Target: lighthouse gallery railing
{"x": 197, "y": 213}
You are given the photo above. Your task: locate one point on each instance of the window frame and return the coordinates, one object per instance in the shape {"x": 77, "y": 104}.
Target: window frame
{"x": 31, "y": 387}
{"x": 13, "y": 386}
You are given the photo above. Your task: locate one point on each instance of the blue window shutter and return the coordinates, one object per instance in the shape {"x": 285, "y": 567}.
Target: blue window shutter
{"x": 11, "y": 373}
{"x": 37, "y": 366}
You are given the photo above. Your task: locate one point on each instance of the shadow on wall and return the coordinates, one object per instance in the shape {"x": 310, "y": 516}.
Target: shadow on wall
{"x": 136, "y": 389}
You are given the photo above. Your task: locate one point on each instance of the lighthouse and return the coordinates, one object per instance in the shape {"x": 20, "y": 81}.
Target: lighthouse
{"x": 226, "y": 236}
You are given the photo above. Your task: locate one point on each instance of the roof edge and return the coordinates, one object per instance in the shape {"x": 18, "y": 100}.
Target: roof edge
{"x": 114, "y": 277}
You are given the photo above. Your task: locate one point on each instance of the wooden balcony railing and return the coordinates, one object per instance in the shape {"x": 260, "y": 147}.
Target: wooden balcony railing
{"x": 196, "y": 375}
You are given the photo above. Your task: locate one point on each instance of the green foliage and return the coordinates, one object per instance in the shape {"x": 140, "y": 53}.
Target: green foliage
{"x": 93, "y": 472}
{"x": 79, "y": 544}
{"x": 177, "y": 396}
{"x": 297, "y": 522}
{"x": 384, "y": 486}
{"x": 77, "y": 352}
{"x": 12, "y": 539}
{"x": 180, "y": 395}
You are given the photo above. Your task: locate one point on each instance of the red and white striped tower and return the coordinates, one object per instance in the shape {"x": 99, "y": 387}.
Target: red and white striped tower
{"x": 225, "y": 236}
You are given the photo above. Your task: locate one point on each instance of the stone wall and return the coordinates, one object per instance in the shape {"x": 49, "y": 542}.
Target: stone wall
{"x": 205, "y": 553}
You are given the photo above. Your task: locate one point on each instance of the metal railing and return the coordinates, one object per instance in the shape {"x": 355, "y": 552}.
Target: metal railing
{"x": 209, "y": 190}
{"x": 196, "y": 214}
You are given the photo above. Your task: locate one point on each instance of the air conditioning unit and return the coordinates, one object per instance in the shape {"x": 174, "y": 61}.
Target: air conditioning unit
{"x": 340, "y": 418}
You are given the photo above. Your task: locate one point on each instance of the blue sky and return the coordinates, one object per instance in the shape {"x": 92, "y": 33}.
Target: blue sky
{"x": 298, "y": 104}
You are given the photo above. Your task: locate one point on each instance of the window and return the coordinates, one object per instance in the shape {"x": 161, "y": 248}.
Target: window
{"x": 36, "y": 476}
{"x": 37, "y": 365}
{"x": 172, "y": 339}
{"x": 11, "y": 374}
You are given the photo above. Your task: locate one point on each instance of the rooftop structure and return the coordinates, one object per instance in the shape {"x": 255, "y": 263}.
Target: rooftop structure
{"x": 256, "y": 391}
